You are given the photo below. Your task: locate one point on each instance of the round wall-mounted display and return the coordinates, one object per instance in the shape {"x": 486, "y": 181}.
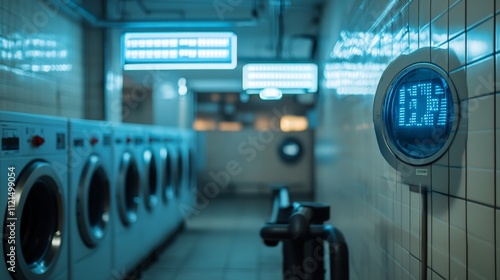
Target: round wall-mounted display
{"x": 290, "y": 150}
{"x": 420, "y": 114}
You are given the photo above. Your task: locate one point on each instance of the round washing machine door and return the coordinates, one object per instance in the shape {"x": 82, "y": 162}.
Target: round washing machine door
{"x": 38, "y": 212}
{"x": 290, "y": 150}
{"x": 128, "y": 189}
{"x": 180, "y": 172}
{"x": 190, "y": 170}
{"x": 167, "y": 181}
{"x": 93, "y": 202}
{"x": 151, "y": 179}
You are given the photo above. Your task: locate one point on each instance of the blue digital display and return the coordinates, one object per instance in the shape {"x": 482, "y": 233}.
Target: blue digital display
{"x": 419, "y": 113}
{"x": 422, "y": 104}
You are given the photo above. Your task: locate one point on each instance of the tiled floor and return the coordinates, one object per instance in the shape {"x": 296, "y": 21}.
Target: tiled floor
{"x": 221, "y": 243}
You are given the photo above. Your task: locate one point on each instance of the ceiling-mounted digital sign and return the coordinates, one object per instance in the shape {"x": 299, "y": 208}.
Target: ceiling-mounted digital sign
{"x": 289, "y": 78}
{"x": 179, "y": 50}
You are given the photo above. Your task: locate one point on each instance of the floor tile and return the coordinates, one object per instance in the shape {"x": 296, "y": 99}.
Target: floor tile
{"x": 240, "y": 274}
{"x": 222, "y": 242}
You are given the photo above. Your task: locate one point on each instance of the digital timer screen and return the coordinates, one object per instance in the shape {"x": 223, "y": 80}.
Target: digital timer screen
{"x": 419, "y": 113}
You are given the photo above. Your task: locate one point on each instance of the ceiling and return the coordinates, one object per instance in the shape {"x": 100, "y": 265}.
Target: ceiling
{"x": 267, "y": 30}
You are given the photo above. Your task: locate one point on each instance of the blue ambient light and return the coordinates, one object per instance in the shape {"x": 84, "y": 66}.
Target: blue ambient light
{"x": 289, "y": 78}
{"x": 179, "y": 50}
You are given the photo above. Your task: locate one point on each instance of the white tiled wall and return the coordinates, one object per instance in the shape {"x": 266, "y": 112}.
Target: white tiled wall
{"x": 377, "y": 213}
{"x": 40, "y": 59}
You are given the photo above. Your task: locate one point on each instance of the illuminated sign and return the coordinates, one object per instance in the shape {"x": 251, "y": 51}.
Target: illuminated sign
{"x": 353, "y": 78}
{"x": 421, "y": 104}
{"x": 179, "y": 50}
{"x": 416, "y": 115}
{"x": 419, "y": 113}
{"x": 289, "y": 78}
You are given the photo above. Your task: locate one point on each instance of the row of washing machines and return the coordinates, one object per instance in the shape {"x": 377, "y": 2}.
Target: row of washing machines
{"x": 86, "y": 199}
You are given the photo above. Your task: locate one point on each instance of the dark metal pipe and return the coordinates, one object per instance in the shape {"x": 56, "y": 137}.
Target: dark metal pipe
{"x": 281, "y": 206}
{"x": 298, "y": 224}
{"x": 339, "y": 255}
{"x": 423, "y": 229}
{"x": 423, "y": 269}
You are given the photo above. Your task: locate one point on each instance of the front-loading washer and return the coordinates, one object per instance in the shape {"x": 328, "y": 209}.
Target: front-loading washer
{"x": 168, "y": 216}
{"x": 128, "y": 212}
{"x": 180, "y": 168}
{"x": 187, "y": 172}
{"x": 33, "y": 200}
{"x": 90, "y": 199}
{"x": 166, "y": 150}
{"x": 185, "y": 169}
{"x": 150, "y": 166}
{"x": 191, "y": 159}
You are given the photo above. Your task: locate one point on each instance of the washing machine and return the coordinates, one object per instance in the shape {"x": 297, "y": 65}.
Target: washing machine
{"x": 185, "y": 171}
{"x": 173, "y": 181}
{"x": 151, "y": 169}
{"x": 181, "y": 191}
{"x": 90, "y": 200}
{"x": 165, "y": 216}
{"x": 33, "y": 201}
{"x": 191, "y": 157}
{"x": 128, "y": 211}
{"x": 166, "y": 147}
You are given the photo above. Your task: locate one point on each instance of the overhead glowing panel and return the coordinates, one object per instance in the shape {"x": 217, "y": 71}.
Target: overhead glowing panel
{"x": 179, "y": 50}
{"x": 289, "y": 78}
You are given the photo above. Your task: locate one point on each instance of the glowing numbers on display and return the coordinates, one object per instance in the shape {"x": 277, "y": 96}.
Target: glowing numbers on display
{"x": 419, "y": 113}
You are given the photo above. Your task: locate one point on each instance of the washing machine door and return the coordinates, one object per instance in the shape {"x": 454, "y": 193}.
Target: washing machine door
{"x": 290, "y": 150}
{"x": 128, "y": 189}
{"x": 36, "y": 216}
{"x": 167, "y": 182}
{"x": 180, "y": 172}
{"x": 151, "y": 179}
{"x": 93, "y": 201}
{"x": 191, "y": 169}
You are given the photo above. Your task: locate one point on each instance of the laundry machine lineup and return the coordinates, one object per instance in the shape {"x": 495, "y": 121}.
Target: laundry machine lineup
{"x": 185, "y": 172}
{"x": 87, "y": 199}
{"x": 146, "y": 211}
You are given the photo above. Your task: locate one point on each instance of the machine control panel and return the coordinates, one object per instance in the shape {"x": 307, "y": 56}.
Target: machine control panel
{"x": 10, "y": 139}
{"x": 26, "y": 138}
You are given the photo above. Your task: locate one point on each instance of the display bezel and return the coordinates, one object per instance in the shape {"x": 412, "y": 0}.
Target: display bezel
{"x": 390, "y": 95}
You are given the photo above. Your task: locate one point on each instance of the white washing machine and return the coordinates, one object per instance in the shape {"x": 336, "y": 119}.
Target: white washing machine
{"x": 191, "y": 158}
{"x": 151, "y": 185}
{"x": 33, "y": 200}
{"x": 180, "y": 167}
{"x": 166, "y": 150}
{"x": 128, "y": 212}
{"x": 185, "y": 169}
{"x": 169, "y": 213}
{"x": 90, "y": 200}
